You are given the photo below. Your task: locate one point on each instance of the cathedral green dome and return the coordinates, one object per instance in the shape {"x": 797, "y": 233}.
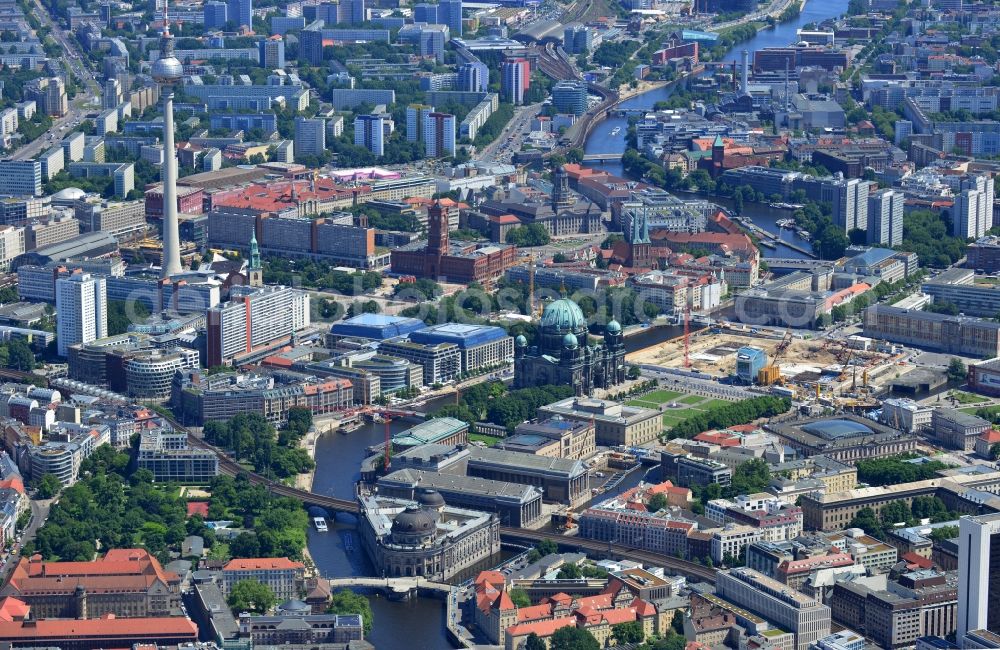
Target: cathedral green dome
{"x": 613, "y": 327}
{"x": 520, "y": 341}
{"x": 569, "y": 340}
{"x": 563, "y": 315}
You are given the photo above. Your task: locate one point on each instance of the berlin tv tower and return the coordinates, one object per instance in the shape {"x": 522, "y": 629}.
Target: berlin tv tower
{"x": 167, "y": 71}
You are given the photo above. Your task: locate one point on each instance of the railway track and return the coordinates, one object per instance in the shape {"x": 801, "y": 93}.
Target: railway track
{"x": 229, "y": 467}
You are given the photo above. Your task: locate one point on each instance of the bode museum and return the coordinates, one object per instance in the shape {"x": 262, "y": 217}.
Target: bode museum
{"x": 426, "y": 537}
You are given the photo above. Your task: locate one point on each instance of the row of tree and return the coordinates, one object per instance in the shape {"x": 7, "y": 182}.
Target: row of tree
{"x": 896, "y": 469}
{"x": 493, "y": 402}
{"x": 727, "y": 415}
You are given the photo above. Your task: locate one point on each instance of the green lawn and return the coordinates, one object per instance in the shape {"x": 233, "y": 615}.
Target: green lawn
{"x": 971, "y": 410}
{"x": 966, "y": 398}
{"x": 661, "y": 396}
{"x": 487, "y": 440}
{"x": 691, "y": 399}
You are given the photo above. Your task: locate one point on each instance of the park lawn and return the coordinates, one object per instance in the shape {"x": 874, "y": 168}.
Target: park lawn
{"x": 966, "y": 398}
{"x": 712, "y": 403}
{"x": 661, "y": 396}
{"x": 691, "y": 399}
{"x": 643, "y": 404}
{"x": 971, "y": 410}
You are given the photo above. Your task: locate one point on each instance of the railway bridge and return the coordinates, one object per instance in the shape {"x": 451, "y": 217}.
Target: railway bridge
{"x": 509, "y": 535}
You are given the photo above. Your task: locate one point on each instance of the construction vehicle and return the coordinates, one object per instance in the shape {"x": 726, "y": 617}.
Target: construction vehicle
{"x": 771, "y": 374}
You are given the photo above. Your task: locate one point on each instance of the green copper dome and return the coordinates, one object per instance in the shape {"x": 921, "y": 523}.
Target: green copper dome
{"x": 570, "y": 341}
{"x": 563, "y": 315}
{"x": 613, "y": 327}
{"x": 520, "y": 341}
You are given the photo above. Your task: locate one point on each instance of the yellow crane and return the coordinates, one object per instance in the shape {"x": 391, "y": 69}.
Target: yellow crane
{"x": 771, "y": 374}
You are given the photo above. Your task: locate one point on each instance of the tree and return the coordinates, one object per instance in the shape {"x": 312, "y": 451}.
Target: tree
{"x": 995, "y": 451}
{"x": 534, "y": 642}
{"x": 957, "y": 370}
{"x": 677, "y": 622}
{"x": 657, "y": 502}
{"x": 520, "y": 597}
{"x": 573, "y": 638}
{"x": 569, "y": 571}
{"x": 547, "y": 547}
{"x": 631, "y": 632}
{"x": 633, "y": 372}
{"x": 48, "y": 486}
{"x": 19, "y": 356}
{"x": 346, "y": 601}
{"x": 251, "y": 596}
{"x": 751, "y": 476}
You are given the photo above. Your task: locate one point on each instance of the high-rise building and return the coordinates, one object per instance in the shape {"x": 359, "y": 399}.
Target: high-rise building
{"x": 425, "y": 13}
{"x": 450, "y": 14}
{"x": 21, "y": 177}
{"x": 577, "y": 39}
{"x": 439, "y": 135}
{"x": 473, "y": 77}
{"x": 81, "y": 310}
{"x": 215, "y": 14}
{"x": 978, "y": 575}
{"x": 415, "y": 116}
{"x": 849, "y": 198}
{"x": 253, "y": 319}
{"x": 514, "y": 76}
{"x": 885, "y": 218}
{"x": 112, "y": 93}
{"x": 310, "y": 136}
{"x": 272, "y": 53}
{"x": 369, "y": 133}
{"x": 570, "y": 97}
{"x": 967, "y": 214}
{"x": 972, "y": 213}
{"x": 429, "y": 39}
{"x": 240, "y": 12}
{"x": 49, "y": 95}
{"x": 359, "y": 13}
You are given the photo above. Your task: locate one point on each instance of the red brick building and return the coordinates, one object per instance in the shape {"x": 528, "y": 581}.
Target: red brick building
{"x": 456, "y": 263}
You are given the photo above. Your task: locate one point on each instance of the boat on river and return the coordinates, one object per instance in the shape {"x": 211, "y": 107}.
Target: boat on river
{"x": 616, "y": 130}
{"x": 320, "y": 524}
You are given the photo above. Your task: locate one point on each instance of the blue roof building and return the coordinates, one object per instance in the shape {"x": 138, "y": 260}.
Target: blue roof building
{"x": 378, "y": 327}
{"x": 481, "y": 345}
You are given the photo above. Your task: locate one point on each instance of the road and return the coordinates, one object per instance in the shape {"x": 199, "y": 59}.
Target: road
{"x": 509, "y": 141}
{"x": 39, "y": 513}
{"x": 89, "y": 95}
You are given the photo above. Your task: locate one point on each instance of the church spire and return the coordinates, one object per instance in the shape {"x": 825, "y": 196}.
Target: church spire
{"x": 255, "y": 271}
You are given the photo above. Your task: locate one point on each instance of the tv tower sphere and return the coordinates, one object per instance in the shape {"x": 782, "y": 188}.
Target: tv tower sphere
{"x": 167, "y": 71}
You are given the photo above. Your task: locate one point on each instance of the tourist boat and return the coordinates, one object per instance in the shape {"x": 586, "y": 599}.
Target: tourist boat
{"x": 320, "y": 524}
{"x": 785, "y": 223}
{"x": 616, "y": 130}
{"x": 348, "y": 427}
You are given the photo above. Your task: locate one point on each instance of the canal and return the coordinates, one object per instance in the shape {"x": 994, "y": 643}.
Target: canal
{"x": 602, "y": 142}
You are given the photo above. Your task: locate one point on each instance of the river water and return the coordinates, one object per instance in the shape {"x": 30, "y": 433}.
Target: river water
{"x": 420, "y": 623}
{"x": 602, "y": 142}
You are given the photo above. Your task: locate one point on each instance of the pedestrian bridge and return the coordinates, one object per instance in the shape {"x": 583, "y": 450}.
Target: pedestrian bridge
{"x": 602, "y": 157}
{"x": 395, "y": 586}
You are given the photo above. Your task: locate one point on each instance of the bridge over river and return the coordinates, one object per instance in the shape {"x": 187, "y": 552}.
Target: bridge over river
{"x": 334, "y": 504}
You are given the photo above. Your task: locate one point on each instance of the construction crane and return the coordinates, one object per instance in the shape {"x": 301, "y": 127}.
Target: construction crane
{"x": 771, "y": 374}
{"x": 529, "y": 259}
{"x": 687, "y": 331}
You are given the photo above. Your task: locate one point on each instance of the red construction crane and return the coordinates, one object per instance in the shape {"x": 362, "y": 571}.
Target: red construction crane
{"x": 388, "y": 444}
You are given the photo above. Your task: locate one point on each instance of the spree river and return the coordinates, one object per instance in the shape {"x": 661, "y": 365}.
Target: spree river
{"x": 420, "y": 623}
{"x": 602, "y": 142}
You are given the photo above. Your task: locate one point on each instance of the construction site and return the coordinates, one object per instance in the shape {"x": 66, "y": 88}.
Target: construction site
{"x": 840, "y": 372}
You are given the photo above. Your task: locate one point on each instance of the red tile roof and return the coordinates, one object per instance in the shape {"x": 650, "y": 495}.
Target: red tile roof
{"x": 12, "y": 609}
{"x": 107, "y": 629}
{"x": 541, "y": 628}
{"x": 197, "y": 508}
{"x": 262, "y": 564}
